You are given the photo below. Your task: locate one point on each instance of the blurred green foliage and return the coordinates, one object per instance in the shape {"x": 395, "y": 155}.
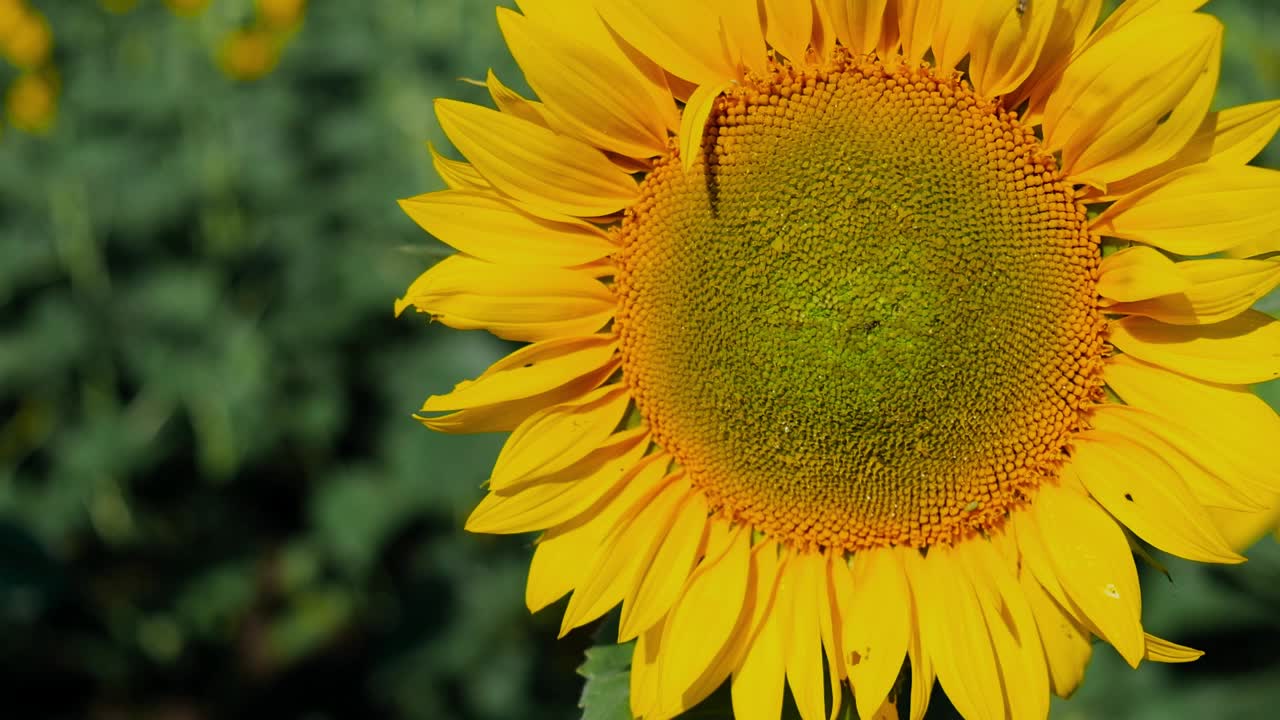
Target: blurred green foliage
{"x": 213, "y": 501}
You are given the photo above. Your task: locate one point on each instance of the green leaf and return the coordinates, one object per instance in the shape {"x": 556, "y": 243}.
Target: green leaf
{"x": 607, "y": 692}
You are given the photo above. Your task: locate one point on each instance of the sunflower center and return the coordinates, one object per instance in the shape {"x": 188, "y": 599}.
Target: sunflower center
{"x": 866, "y": 316}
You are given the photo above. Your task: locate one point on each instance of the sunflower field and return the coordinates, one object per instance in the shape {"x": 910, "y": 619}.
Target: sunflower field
{"x": 215, "y": 500}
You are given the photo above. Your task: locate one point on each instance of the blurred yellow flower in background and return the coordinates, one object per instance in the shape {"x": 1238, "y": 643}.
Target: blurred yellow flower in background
{"x": 26, "y": 42}
{"x": 252, "y": 52}
{"x": 281, "y": 14}
{"x": 31, "y": 102}
{"x": 25, "y": 38}
{"x": 249, "y": 54}
{"x": 11, "y": 12}
{"x": 187, "y": 7}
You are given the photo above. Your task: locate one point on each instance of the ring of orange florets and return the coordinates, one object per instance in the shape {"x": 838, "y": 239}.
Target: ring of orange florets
{"x": 796, "y": 197}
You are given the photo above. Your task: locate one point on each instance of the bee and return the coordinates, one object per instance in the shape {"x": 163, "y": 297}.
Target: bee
{"x": 1022, "y": 6}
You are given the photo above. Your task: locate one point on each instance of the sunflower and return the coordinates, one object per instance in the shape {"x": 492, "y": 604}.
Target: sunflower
{"x": 862, "y": 335}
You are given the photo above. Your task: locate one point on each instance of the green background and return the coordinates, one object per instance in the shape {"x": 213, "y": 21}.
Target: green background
{"x": 213, "y": 501}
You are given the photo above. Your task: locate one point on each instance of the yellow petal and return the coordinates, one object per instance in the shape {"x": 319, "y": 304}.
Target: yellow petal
{"x": 564, "y": 495}
{"x": 547, "y": 582}
{"x": 1066, "y": 645}
{"x": 681, "y": 89}
{"x": 530, "y": 379}
{"x": 758, "y": 681}
{"x": 1243, "y": 529}
{"x": 888, "y": 45}
{"x": 829, "y": 629}
{"x": 661, "y": 580}
{"x": 682, "y": 37}
{"x": 745, "y": 31}
{"x": 724, "y": 662}
{"x": 1129, "y": 11}
{"x": 1208, "y": 475}
{"x": 559, "y": 436}
{"x": 534, "y": 164}
{"x": 762, "y": 581}
{"x": 824, "y": 33}
{"x": 1236, "y": 135}
{"x": 589, "y": 93}
{"x": 1139, "y": 273}
{"x": 1226, "y": 426}
{"x": 1020, "y": 658}
{"x": 837, "y": 14}
{"x": 1198, "y": 210}
{"x": 1259, "y": 248}
{"x": 858, "y": 23}
{"x": 694, "y": 123}
{"x": 700, "y": 626}
{"x": 566, "y": 553}
{"x": 1084, "y": 16}
{"x": 511, "y": 301}
{"x": 456, "y": 174}
{"x": 1175, "y": 129}
{"x": 758, "y": 685}
{"x": 1115, "y": 94}
{"x": 1241, "y": 351}
{"x": 916, "y": 20}
{"x": 491, "y": 229}
{"x": 840, "y": 598}
{"x": 578, "y": 19}
{"x": 1161, "y": 650}
{"x": 1036, "y": 559}
{"x": 788, "y": 27}
{"x": 922, "y": 672}
{"x": 1007, "y": 44}
{"x": 646, "y": 663}
{"x": 624, "y": 553}
{"x": 1142, "y": 491}
{"x": 877, "y": 627}
{"x": 954, "y": 633}
{"x": 1091, "y": 559}
{"x": 1228, "y": 137}
{"x": 1218, "y": 290}
{"x": 953, "y": 33}
{"x": 1072, "y": 22}
{"x": 512, "y": 103}
{"x": 798, "y": 595}
{"x": 1005, "y": 542}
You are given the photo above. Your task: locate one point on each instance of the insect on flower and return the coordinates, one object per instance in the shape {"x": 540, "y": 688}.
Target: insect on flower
{"x": 1022, "y": 6}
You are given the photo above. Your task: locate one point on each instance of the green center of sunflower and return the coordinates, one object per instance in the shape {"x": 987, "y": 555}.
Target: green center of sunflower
{"x": 866, "y": 316}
